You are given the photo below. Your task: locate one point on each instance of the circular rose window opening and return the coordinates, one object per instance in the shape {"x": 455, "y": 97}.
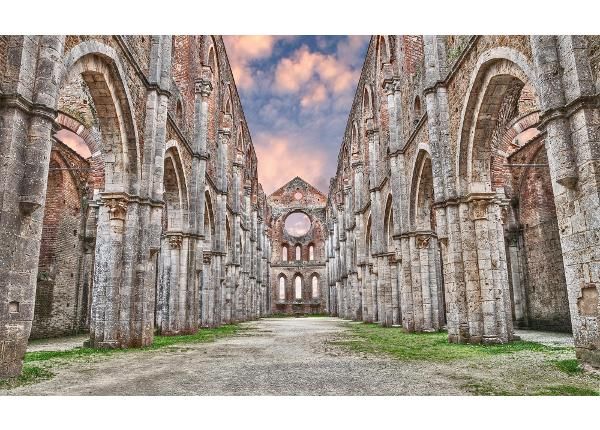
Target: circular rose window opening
{"x": 298, "y": 195}
{"x": 297, "y": 224}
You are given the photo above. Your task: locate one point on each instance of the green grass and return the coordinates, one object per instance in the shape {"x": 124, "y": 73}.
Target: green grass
{"x": 372, "y": 338}
{"x": 202, "y": 336}
{"x": 30, "y": 375}
{"x": 486, "y": 389}
{"x": 571, "y": 367}
{"x": 542, "y": 379}
{"x": 566, "y": 390}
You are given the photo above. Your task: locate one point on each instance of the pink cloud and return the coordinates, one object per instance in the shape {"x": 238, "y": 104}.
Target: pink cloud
{"x": 316, "y": 74}
{"x": 350, "y": 50}
{"x": 292, "y": 73}
{"x": 241, "y": 50}
{"x": 74, "y": 141}
{"x": 282, "y": 158}
{"x": 316, "y": 96}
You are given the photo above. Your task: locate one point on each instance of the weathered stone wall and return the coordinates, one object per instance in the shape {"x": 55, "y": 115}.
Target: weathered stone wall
{"x": 58, "y": 276}
{"x": 169, "y": 148}
{"x": 297, "y": 196}
{"x": 444, "y": 148}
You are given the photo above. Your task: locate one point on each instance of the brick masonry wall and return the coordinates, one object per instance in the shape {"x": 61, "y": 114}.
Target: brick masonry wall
{"x": 61, "y": 249}
{"x": 545, "y": 284}
{"x": 3, "y": 54}
{"x": 283, "y": 202}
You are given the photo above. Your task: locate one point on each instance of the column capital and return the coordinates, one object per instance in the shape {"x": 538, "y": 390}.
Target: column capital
{"x": 203, "y": 87}
{"x": 422, "y": 241}
{"x": 391, "y": 85}
{"x": 478, "y": 209}
{"x": 117, "y": 205}
{"x": 175, "y": 241}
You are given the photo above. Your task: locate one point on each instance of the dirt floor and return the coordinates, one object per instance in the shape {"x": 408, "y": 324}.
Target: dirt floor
{"x": 285, "y": 356}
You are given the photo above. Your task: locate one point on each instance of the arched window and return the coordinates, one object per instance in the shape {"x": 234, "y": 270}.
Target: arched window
{"x": 298, "y": 253}
{"x": 315, "y": 287}
{"x": 298, "y": 287}
{"x": 367, "y": 107}
{"x": 417, "y": 110}
{"x": 311, "y": 253}
{"x": 211, "y": 59}
{"x": 284, "y": 253}
{"x": 281, "y": 288}
{"x": 178, "y": 111}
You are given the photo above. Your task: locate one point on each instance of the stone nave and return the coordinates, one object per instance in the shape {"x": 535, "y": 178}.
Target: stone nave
{"x": 466, "y": 196}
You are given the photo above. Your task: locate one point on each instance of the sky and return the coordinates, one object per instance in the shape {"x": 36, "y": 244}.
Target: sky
{"x": 296, "y": 94}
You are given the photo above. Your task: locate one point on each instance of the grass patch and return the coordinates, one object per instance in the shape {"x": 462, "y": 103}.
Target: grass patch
{"x": 566, "y": 390}
{"x": 372, "y": 338}
{"x": 571, "y": 367}
{"x": 202, "y": 336}
{"x": 30, "y": 375}
{"x": 486, "y": 389}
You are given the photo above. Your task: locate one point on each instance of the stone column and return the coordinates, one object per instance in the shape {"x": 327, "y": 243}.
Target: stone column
{"x": 27, "y": 112}
{"x": 516, "y": 276}
{"x": 569, "y": 105}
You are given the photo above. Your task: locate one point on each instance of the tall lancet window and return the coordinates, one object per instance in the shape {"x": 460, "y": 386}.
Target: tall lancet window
{"x": 281, "y": 288}
{"x": 298, "y": 287}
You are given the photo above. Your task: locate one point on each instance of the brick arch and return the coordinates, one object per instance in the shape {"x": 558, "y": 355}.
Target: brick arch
{"x": 210, "y": 46}
{"x": 501, "y": 172}
{"x": 499, "y": 73}
{"x": 388, "y": 222}
{"x": 368, "y": 237}
{"x": 421, "y": 214}
{"x": 355, "y": 142}
{"x": 56, "y": 298}
{"x": 209, "y": 221}
{"x": 384, "y": 53}
{"x": 239, "y": 144}
{"x": 175, "y": 192}
{"x": 91, "y": 140}
{"x": 367, "y": 103}
{"x": 101, "y": 69}
{"x": 227, "y": 112}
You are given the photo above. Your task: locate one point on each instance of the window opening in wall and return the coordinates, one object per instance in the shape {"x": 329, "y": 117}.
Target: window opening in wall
{"x": 281, "y": 288}
{"x": 297, "y": 224}
{"x": 298, "y": 288}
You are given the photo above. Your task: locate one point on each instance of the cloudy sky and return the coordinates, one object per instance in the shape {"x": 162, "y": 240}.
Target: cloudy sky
{"x": 296, "y": 92}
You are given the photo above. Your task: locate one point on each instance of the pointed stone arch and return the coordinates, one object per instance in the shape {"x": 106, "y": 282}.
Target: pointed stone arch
{"x": 103, "y": 73}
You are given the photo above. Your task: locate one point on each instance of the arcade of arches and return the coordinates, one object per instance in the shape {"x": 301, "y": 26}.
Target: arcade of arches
{"x": 466, "y": 198}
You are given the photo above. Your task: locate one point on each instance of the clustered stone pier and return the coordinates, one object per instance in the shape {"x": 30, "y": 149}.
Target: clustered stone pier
{"x": 467, "y": 193}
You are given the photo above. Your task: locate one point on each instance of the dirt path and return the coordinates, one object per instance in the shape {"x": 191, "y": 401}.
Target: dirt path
{"x": 285, "y": 356}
